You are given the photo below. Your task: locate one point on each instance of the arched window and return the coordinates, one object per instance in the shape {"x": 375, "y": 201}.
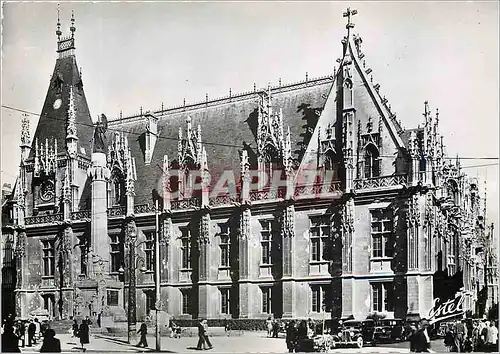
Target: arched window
{"x": 372, "y": 162}
{"x": 330, "y": 160}
{"x": 118, "y": 188}
{"x": 348, "y": 93}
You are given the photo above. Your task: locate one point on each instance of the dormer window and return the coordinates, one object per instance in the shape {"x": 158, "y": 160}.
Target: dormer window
{"x": 151, "y": 135}
{"x": 372, "y": 162}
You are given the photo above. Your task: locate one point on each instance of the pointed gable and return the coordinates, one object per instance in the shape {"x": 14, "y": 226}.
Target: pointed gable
{"x": 53, "y": 119}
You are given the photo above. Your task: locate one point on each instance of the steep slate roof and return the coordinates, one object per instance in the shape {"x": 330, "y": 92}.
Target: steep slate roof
{"x": 230, "y": 121}
{"x": 52, "y": 122}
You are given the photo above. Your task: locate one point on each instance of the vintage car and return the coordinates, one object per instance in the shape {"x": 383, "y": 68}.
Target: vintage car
{"x": 389, "y": 330}
{"x": 354, "y": 333}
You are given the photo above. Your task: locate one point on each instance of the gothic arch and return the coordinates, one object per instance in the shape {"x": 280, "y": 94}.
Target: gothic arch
{"x": 372, "y": 161}
{"x": 117, "y": 182}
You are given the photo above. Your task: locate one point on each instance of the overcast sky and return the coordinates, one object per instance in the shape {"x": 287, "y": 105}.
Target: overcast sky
{"x": 143, "y": 54}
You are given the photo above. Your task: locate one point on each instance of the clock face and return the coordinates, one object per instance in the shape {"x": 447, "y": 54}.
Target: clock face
{"x": 57, "y": 103}
{"x": 47, "y": 191}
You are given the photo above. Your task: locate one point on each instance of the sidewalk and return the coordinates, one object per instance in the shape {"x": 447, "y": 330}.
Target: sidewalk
{"x": 97, "y": 344}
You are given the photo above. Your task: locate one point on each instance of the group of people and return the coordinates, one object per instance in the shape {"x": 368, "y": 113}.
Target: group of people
{"x": 299, "y": 336}
{"x": 273, "y": 327}
{"x": 14, "y": 333}
{"x": 468, "y": 336}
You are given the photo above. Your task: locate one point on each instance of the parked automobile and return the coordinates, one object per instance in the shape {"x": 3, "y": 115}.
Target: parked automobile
{"x": 357, "y": 333}
{"x": 389, "y": 330}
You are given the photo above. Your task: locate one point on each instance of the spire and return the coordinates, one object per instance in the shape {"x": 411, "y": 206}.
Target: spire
{"x": 58, "y": 31}
{"x": 72, "y": 28}
{"x": 65, "y": 45}
{"x": 25, "y": 136}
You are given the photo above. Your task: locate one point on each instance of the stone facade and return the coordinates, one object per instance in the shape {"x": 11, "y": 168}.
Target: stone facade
{"x": 386, "y": 211}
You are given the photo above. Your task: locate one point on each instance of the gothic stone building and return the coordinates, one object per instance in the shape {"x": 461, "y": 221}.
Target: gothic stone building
{"x": 382, "y": 214}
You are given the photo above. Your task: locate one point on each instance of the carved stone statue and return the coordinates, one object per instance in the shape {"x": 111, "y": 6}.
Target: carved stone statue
{"x": 100, "y": 144}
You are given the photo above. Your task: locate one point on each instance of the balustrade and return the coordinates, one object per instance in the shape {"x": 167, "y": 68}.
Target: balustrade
{"x": 381, "y": 182}
{"x": 221, "y": 200}
{"x": 144, "y": 209}
{"x": 43, "y": 219}
{"x": 80, "y": 215}
{"x": 185, "y": 203}
{"x": 116, "y": 211}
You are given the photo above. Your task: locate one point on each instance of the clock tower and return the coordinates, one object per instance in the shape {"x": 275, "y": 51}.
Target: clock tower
{"x": 54, "y": 189}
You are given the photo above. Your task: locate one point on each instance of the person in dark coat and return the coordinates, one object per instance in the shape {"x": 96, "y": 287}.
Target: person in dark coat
{"x": 276, "y": 329}
{"x": 84, "y": 334}
{"x": 50, "y": 343}
{"x": 31, "y": 333}
{"x": 10, "y": 342}
{"x": 21, "y": 331}
{"x": 291, "y": 336}
{"x": 201, "y": 337}
{"x": 75, "y": 328}
{"x": 420, "y": 341}
{"x": 143, "y": 331}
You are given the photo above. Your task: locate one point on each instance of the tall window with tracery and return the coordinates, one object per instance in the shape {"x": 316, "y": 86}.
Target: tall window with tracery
{"x": 149, "y": 250}
{"x": 266, "y": 241}
{"x": 225, "y": 243}
{"x": 381, "y": 232}
{"x": 48, "y": 257}
{"x": 186, "y": 248}
{"x": 319, "y": 235}
{"x": 115, "y": 253}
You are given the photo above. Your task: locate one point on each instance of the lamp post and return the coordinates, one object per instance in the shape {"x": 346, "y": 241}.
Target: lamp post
{"x": 157, "y": 278}
{"x": 132, "y": 284}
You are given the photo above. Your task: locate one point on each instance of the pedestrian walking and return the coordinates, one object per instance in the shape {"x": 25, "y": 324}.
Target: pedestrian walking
{"x": 50, "y": 343}
{"x": 31, "y": 333}
{"x": 206, "y": 334}
{"x": 420, "y": 341}
{"x": 202, "y": 345}
{"x": 38, "y": 330}
{"x": 291, "y": 336}
{"x": 143, "y": 331}
{"x": 83, "y": 333}
{"x": 10, "y": 342}
{"x": 460, "y": 334}
{"x": 492, "y": 337}
{"x": 175, "y": 330}
{"x": 276, "y": 328}
{"x": 21, "y": 332}
{"x": 226, "y": 325}
{"x": 449, "y": 341}
{"x": 74, "y": 329}
{"x": 304, "y": 344}
{"x": 269, "y": 325}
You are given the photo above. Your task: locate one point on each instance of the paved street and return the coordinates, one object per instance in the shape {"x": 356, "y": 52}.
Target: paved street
{"x": 249, "y": 342}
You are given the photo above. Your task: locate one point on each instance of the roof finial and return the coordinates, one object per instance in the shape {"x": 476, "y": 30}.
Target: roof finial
{"x": 348, "y": 14}
{"x": 307, "y": 76}
{"x": 58, "y": 31}
{"x": 72, "y": 28}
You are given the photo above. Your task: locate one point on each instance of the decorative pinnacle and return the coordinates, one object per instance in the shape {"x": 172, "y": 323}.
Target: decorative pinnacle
{"x": 58, "y": 31}
{"x": 72, "y": 28}
{"x": 349, "y": 13}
